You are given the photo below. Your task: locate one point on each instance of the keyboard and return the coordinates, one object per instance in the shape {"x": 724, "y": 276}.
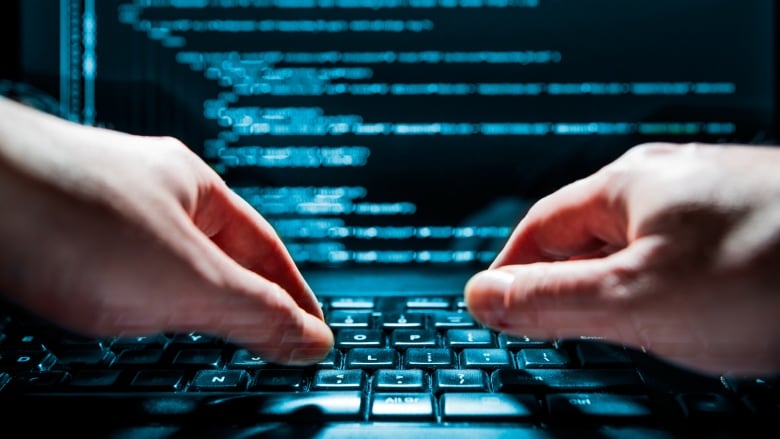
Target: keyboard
{"x": 401, "y": 366}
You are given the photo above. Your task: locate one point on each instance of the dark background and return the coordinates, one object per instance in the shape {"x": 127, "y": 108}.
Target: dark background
{"x": 453, "y": 179}
{"x": 9, "y": 20}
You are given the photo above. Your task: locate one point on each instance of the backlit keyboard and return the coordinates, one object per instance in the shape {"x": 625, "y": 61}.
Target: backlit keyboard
{"x": 398, "y": 365}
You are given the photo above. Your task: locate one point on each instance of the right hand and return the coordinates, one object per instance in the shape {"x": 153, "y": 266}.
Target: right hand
{"x": 671, "y": 248}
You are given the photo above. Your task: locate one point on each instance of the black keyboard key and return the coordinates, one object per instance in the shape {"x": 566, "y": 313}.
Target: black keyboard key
{"x": 399, "y": 380}
{"x": 158, "y": 380}
{"x": 338, "y": 380}
{"x": 359, "y": 338}
{"x": 279, "y": 379}
{"x": 244, "y": 359}
{"x": 459, "y": 380}
{"x": 220, "y": 380}
{"x": 27, "y": 361}
{"x": 521, "y": 342}
{"x": 557, "y": 380}
{"x": 79, "y": 343}
{"x": 408, "y": 338}
{"x": 488, "y": 407}
{"x": 194, "y": 339}
{"x": 597, "y": 355}
{"x": 402, "y": 406}
{"x": 348, "y": 319}
{"x": 201, "y": 358}
{"x": 425, "y": 358}
{"x": 331, "y": 360}
{"x": 86, "y": 357}
{"x": 429, "y": 303}
{"x": 41, "y": 381}
{"x": 394, "y": 321}
{"x": 761, "y": 396}
{"x": 26, "y": 341}
{"x": 565, "y": 407}
{"x": 368, "y": 358}
{"x": 96, "y": 379}
{"x": 485, "y": 358}
{"x": 352, "y": 303}
{"x": 707, "y": 406}
{"x": 542, "y": 358}
{"x": 469, "y": 338}
{"x": 452, "y": 319}
{"x": 157, "y": 341}
{"x": 766, "y": 386}
{"x": 661, "y": 378}
{"x": 139, "y": 357}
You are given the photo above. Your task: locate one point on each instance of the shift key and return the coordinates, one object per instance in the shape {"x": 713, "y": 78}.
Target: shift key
{"x": 557, "y": 380}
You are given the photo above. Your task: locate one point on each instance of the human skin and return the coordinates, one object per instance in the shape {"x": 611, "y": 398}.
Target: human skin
{"x": 112, "y": 234}
{"x": 673, "y": 249}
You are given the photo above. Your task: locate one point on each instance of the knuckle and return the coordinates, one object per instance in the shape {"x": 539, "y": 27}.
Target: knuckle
{"x": 177, "y": 151}
{"x": 171, "y": 142}
{"x": 280, "y": 305}
{"x": 644, "y": 150}
{"x": 629, "y": 285}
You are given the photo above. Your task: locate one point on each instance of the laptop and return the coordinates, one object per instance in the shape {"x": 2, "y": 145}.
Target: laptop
{"x": 394, "y": 145}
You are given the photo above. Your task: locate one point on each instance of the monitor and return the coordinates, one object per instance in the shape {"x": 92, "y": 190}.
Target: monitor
{"x": 393, "y": 132}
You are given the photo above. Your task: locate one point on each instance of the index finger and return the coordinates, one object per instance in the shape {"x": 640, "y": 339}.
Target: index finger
{"x": 244, "y": 235}
{"x": 577, "y": 220}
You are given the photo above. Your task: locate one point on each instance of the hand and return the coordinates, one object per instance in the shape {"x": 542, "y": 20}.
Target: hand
{"x": 672, "y": 248}
{"x": 109, "y": 234}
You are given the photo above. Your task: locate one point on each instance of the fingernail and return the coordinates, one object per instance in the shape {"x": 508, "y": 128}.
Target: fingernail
{"x": 313, "y": 345}
{"x": 486, "y": 293}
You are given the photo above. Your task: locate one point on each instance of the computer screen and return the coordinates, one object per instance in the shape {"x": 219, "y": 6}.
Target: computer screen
{"x": 384, "y": 132}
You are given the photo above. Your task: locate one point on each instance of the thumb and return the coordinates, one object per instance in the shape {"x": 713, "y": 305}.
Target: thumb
{"x": 563, "y": 299}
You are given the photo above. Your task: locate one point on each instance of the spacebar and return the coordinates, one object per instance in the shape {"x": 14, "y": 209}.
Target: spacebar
{"x": 206, "y": 407}
{"x": 315, "y": 406}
